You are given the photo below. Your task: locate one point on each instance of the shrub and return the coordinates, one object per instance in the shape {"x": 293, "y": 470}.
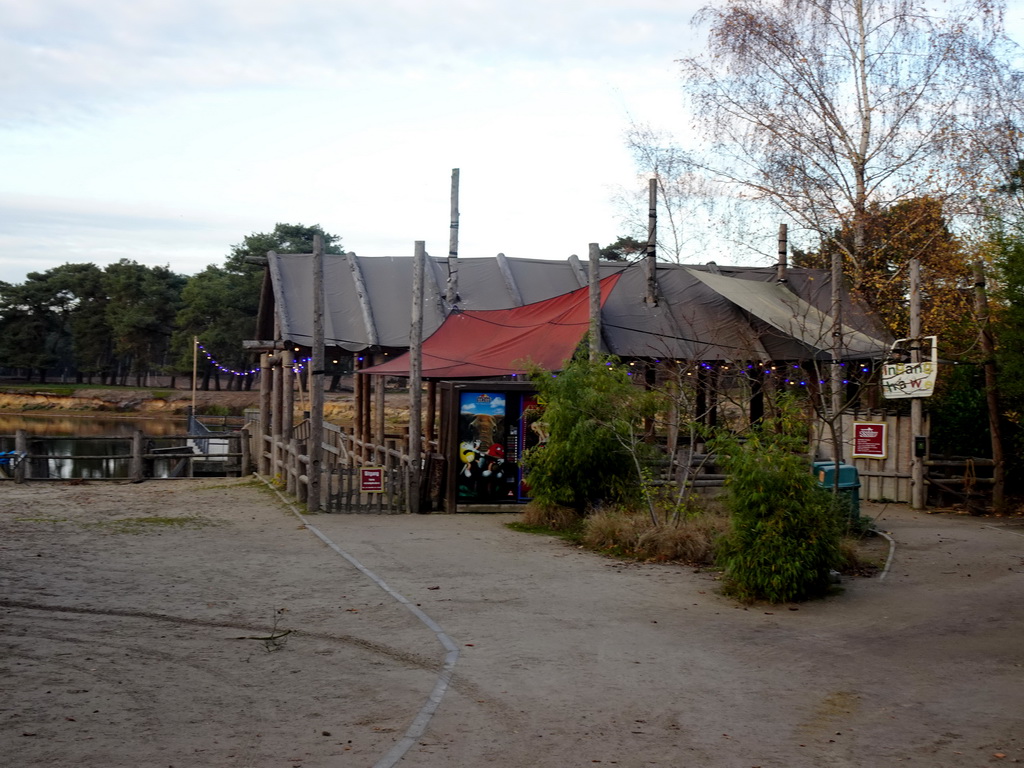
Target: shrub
{"x": 785, "y": 531}
{"x": 595, "y": 450}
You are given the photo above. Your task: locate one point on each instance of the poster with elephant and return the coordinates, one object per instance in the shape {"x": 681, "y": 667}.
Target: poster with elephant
{"x": 488, "y": 448}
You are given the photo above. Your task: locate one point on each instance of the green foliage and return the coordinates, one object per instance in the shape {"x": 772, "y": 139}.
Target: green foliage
{"x": 1007, "y": 241}
{"x": 959, "y": 413}
{"x": 623, "y": 249}
{"x": 220, "y": 304}
{"x": 143, "y": 302}
{"x": 595, "y": 452}
{"x": 58, "y": 319}
{"x": 785, "y": 530}
{"x": 285, "y": 238}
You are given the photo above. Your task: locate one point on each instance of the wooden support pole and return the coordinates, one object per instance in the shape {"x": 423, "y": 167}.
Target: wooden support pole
{"x": 650, "y": 260}
{"x": 452, "y": 289}
{"x": 781, "y": 264}
{"x": 594, "y": 282}
{"x": 275, "y": 419}
{"x": 23, "y": 471}
{"x": 366, "y": 427}
{"x": 136, "y": 465}
{"x": 917, "y": 489}
{"x": 266, "y": 390}
{"x": 245, "y": 448}
{"x": 836, "y": 371}
{"x": 288, "y": 420}
{"x": 415, "y": 380}
{"x": 991, "y": 388}
{"x": 430, "y": 430}
{"x": 315, "y": 448}
{"x": 357, "y": 396}
{"x": 379, "y": 403}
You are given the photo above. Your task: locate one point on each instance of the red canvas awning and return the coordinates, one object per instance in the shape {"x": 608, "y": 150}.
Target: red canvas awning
{"x": 499, "y": 342}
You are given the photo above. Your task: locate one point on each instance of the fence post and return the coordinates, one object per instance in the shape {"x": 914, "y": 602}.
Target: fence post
{"x": 135, "y": 470}
{"x": 245, "y": 449}
{"x": 22, "y": 471}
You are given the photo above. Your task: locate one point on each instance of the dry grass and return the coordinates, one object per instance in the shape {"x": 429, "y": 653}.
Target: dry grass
{"x": 691, "y": 539}
{"x": 551, "y": 516}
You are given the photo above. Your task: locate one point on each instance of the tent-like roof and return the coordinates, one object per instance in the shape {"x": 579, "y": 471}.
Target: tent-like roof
{"x": 703, "y": 312}
{"x": 499, "y": 342}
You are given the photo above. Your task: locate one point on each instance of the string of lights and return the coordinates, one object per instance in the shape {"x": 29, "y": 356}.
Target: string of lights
{"x": 224, "y": 368}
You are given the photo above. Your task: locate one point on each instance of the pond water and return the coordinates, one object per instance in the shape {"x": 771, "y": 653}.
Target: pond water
{"x": 160, "y": 433}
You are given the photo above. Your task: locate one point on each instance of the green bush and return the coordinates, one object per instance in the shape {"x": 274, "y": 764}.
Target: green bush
{"x": 595, "y": 452}
{"x": 785, "y": 533}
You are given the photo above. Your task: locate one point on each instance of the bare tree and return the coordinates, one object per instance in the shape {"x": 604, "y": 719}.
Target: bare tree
{"x": 822, "y": 107}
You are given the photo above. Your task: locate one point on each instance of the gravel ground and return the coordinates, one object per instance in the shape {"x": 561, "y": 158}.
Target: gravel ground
{"x": 201, "y": 623}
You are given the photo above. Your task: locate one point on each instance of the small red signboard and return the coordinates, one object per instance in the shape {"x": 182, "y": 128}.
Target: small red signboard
{"x": 870, "y": 440}
{"x": 371, "y": 479}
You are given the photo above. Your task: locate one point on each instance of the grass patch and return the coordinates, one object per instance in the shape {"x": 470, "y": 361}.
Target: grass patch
{"x": 42, "y": 520}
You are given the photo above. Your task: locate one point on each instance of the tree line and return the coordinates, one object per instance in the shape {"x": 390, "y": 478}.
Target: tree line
{"x": 118, "y": 324}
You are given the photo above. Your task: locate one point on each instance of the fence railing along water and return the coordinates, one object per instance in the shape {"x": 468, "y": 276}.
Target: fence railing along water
{"x": 134, "y": 457}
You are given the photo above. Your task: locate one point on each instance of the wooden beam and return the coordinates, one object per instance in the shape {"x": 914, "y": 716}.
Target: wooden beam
{"x": 364, "y": 299}
{"x": 578, "y": 270}
{"x": 510, "y": 281}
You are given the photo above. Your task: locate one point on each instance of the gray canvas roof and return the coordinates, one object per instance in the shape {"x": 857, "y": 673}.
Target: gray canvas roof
{"x": 703, "y": 312}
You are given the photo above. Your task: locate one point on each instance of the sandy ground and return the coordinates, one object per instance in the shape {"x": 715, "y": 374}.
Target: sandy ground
{"x": 144, "y": 625}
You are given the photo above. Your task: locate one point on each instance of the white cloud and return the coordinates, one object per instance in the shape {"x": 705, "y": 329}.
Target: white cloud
{"x": 174, "y": 129}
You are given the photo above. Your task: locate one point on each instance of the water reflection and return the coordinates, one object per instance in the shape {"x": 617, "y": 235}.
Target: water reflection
{"x": 108, "y": 458}
{"x": 88, "y": 425}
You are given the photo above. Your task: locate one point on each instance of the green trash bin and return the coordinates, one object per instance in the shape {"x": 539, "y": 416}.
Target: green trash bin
{"x": 849, "y": 483}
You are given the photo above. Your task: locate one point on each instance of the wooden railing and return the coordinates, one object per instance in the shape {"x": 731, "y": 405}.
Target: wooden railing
{"x": 346, "y": 464}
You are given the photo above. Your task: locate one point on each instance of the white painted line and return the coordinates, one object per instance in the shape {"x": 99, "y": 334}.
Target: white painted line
{"x": 892, "y": 552}
{"x": 422, "y": 720}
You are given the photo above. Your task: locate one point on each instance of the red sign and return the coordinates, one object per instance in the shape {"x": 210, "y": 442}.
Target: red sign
{"x": 371, "y": 479}
{"x": 870, "y": 440}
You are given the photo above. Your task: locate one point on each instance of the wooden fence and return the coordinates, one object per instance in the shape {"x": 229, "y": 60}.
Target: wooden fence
{"x": 356, "y": 477}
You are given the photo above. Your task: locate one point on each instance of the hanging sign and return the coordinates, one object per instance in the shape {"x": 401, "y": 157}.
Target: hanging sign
{"x": 870, "y": 440}
{"x": 901, "y": 378}
{"x": 371, "y": 479}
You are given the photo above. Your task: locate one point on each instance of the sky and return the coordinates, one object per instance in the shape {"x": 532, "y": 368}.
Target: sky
{"x": 165, "y": 131}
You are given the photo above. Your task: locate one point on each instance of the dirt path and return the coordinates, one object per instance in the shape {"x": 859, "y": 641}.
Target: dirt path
{"x": 133, "y": 618}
